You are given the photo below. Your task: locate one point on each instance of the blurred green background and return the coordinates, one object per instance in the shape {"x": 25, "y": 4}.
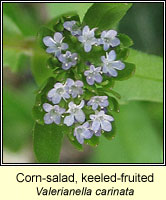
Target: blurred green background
{"x": 139, "y": 137}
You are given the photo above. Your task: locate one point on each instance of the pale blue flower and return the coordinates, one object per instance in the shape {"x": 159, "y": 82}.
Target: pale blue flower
{"x": 110, "y": 65}
{"x": 53, "y": 113}
{"x": 76, "y": 113}
{"x": 68, "y": 59}
{"x": 96, "y": 101}
{"x": 93, "y": 75}
{"x": 72, "y": 27}
{"x": 87, "y": 38}
{"x": 108, "y": 38}
{"x": 101, "y": 121}
{"x": 82, "y": 132}
{"x": 57, "y": 93}
{"x": 75, "y": 87}
{"x": 55, "y": 44}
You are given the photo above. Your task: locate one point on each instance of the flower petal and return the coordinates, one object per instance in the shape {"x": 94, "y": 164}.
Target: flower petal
{"x": 112, "y": 55}
{"x": 48, "y": 41}
{"x": 106, "y": 125}
{"x": 92, "y": 117}
{"x": 69, "y": 82}
{"x": 96, "y": 125}
{"x": 115, "y": 42}
{"x": 48, "y": 119}
{"x": 58, "y": 85}
{"x": 80, "y": 116}
{"x": 81, "y": 104}
{"x": 86, "y": 125}
{"x": 74, "y": 94}
{"x": 47, "y": 107}
{"x": 103, "y": 34}
{"x": 74, "y": 56}
{"x": 94, "y": 106}
{"x": 87, "y": 134}
{"x": 98, "y": 78}
{"x": 112, "y": 72}
{"x": 111, "y": 33}
{"x": 86, "y": 72}
{"x": 61, "y": 58}
{"x": 87, "y": 47}
{"x": 92, "y": 68}
{"x": 106, "y": 46}
{"x": 64, "y": 46}
{"x": 68, "y": 25}
{"x": 58, "y": 37}
{"x": 51, "y": 93}
{"x": 80, "y": 138}
{"x": 66, "y": 66}
{"x": 71, "y": 104}
{"x": 51, "y": 49}
{"x": 108, "y": 117}
{"x": 118, "y": 65}
{"x": 69, "y": 120}
{"x": 56, "y": 99}
{"x": 103, "y": 59}
{"x": 89, "y": 103}
{"x": 105, "y": 103}
{"x": 57, "y": 119}
{"x": 90, "y": 80}
{"x": 85, "y": 30}
{"x": 57, "y": 53}
{"x": 61, "y": 110}
{"x": 66, "y": 95}
{"x": 79, "y": 83}
{"x": 98, "y": 69}
{"x": 81, "y": 38}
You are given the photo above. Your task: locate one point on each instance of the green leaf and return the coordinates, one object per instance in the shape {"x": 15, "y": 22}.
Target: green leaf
{"x": 112, "y": 92}
{"x": 147, "y": 83}
{"x": 56, "y": 9}
{"x": 125, "y": 40}
{"x": 113, "y": 104}
{"x": 47, "y": 142}
{"x": 122, "y": 53}
{"x": 136, "y": 140}
{"x": 105, "y": 15}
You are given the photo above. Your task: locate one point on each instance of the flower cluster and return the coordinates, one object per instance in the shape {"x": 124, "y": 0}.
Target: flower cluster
{"x": 85, "y": 125}
{"x": 75, "y": 115}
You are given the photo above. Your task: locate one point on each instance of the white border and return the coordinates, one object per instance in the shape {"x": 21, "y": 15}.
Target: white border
{"x": 97, "y": 164}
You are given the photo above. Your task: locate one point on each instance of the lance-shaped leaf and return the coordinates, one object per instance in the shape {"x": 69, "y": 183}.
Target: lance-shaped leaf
{"x": 105, "y": 15}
